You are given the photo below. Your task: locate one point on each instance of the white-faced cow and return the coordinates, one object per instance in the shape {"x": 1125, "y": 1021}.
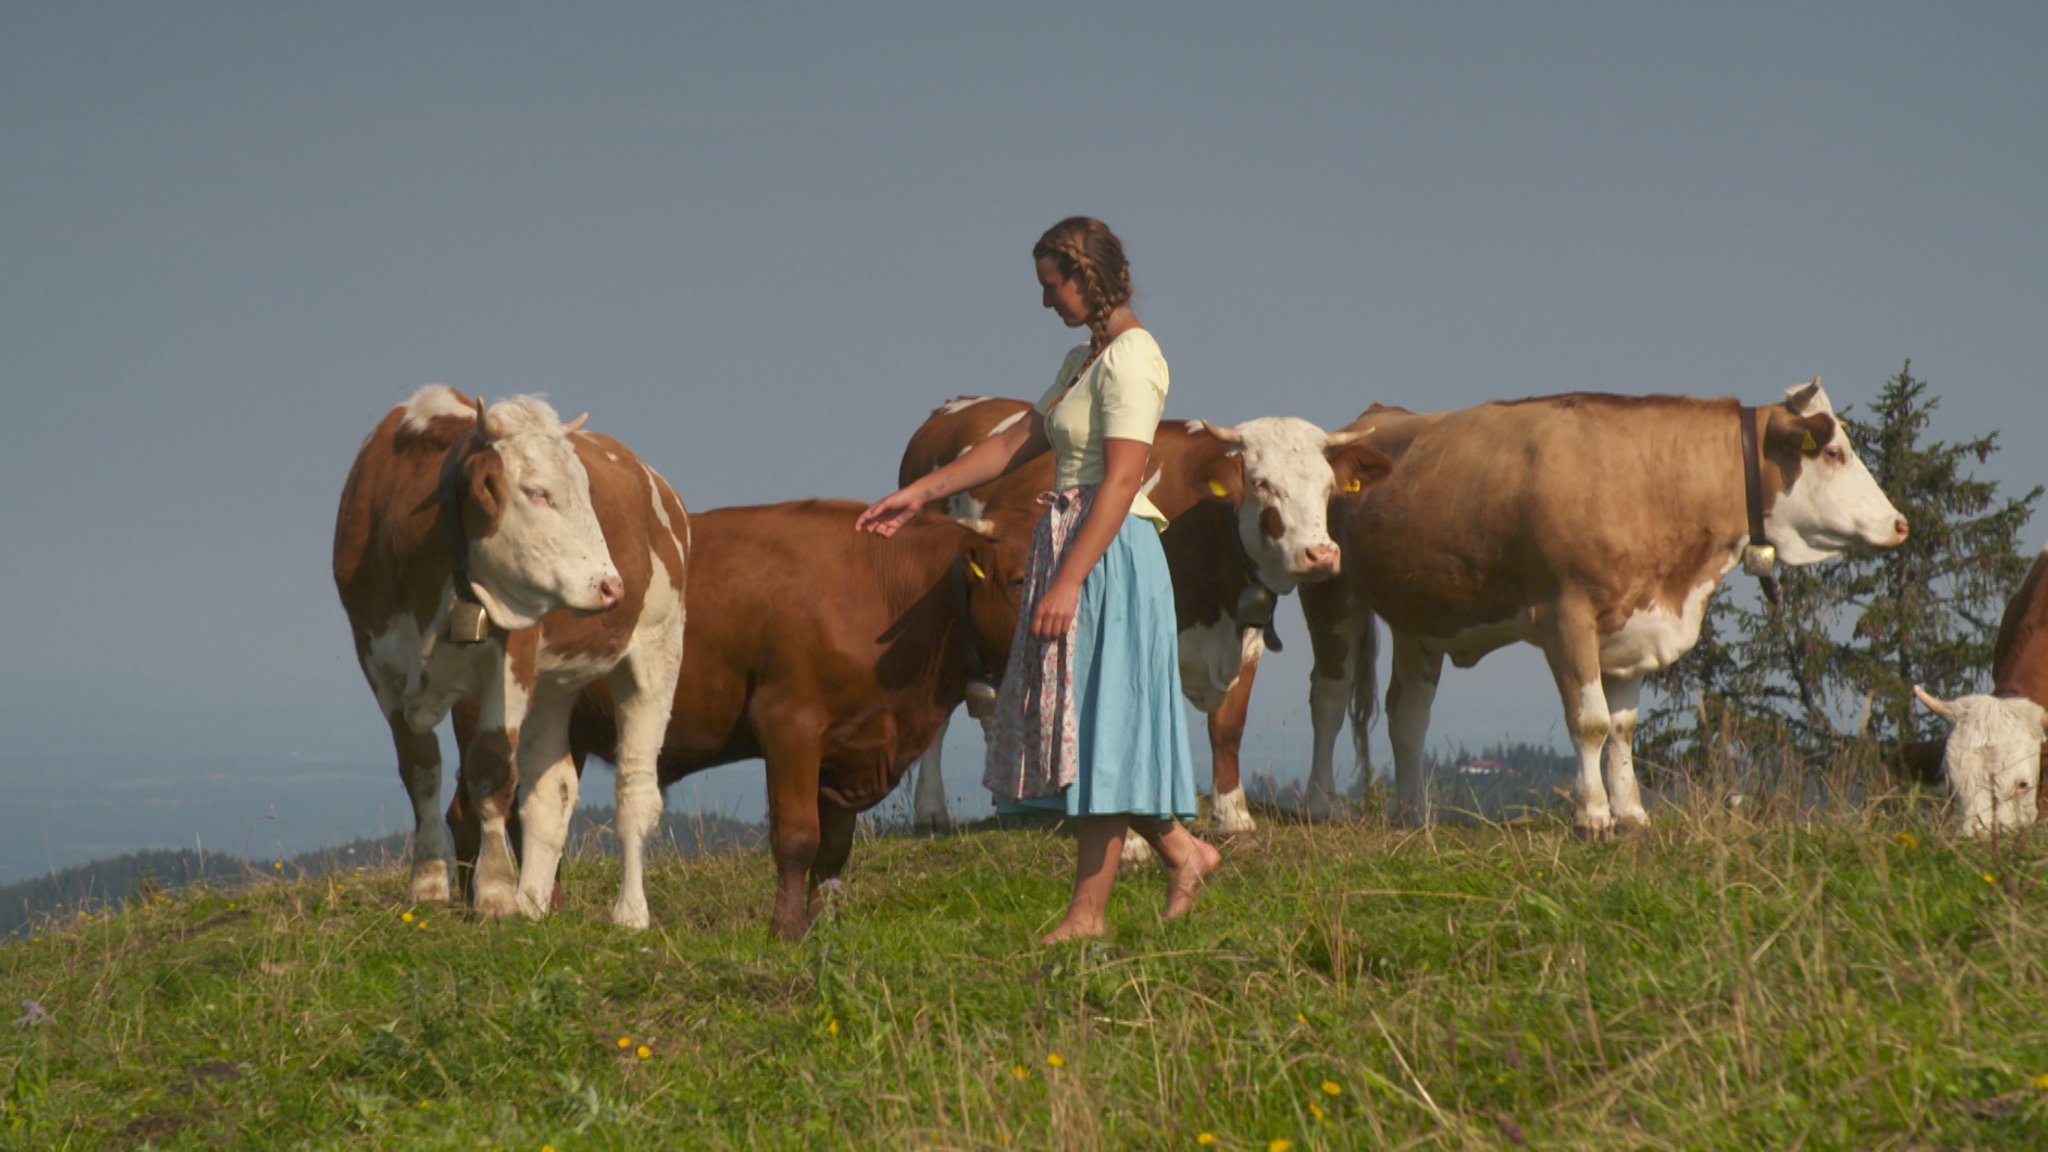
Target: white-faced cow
{"x": 1248, "y": 511}
{"x": 831, "y": 654}
{"x": 498, "y": 555}
{"x": 1992, "y": 756}
{"x": 1592, "y": 526}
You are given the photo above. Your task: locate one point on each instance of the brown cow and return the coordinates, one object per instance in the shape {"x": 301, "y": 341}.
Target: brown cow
{"x": 1992, "y": 755}
{"x": 829, "y": 653}
{"x": 457, "y": 540}
{"x": 1247, "y": 507}
{"x": 1592, "y": 526}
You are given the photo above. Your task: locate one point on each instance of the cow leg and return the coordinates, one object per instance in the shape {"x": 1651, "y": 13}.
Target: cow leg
{"x": 644, "y": 697}
{"x": 793, "y": 830}
{"x": 1572, "y": 646}
{"x": 419, "y": 766}
{"x": 1411, "y": 692}
{"x": 1334, "y": 628}
{"x": 835, "y": 844}
{"x": 1226, "y": 735}
{"x": 928, "y": 808}
{"x": 1623, "y": 795}
{"x": 492, "y": 773}
{"x": 547, "y": 797}
{"x": 490, "y": 781}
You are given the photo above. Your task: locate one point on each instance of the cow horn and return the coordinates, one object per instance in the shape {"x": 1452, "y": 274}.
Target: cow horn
{"x": 1939, "y": 707}
{"x": 573, "y": 425}
{"x": 978, "y": 527}
{"x": 1226, "y": 433}
{"x": 1345, "y": 437}
{"x": 482, "y": 416}
{"x": 1799, "y": 397}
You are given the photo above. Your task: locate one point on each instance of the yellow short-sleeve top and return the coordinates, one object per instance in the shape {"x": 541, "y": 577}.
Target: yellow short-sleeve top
{"x": 1120, "y": 396}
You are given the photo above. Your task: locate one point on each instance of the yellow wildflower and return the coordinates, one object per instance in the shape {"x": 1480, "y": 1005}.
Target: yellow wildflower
{"x": 1279, "y": 1144}
{"x": 625, "y": 1041}
{"x": 1990, "y": 879}
{"x": 1205, "y": 1138}
{"x": 406, "y": 916}
{"x": 643, "y": 1052}
{"x": 2041, "y": 1082}
{"x": 1332, "y": 1088}
{"x": 1300, "y": 1018}
{"x": 422, "y": 922}
{"x": 1906, "y": 840}
{"x": 1019, "y": 1072}
{"x": 1056, "y": 1060}
{"x": 832, "y": 1026}
{"x": 279, "y": 866}
{"x": 1315, "y": 1110}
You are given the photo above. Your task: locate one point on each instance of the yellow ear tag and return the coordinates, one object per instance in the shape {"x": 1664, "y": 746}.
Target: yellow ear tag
{"x": 1216, "y": 488}
{"x": 1354, "y": 485}
{"x": 976, "y": 570}
{"x": 1807, "y": 445}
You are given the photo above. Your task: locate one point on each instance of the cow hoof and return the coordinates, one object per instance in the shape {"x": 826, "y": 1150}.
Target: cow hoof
{"x": 1631, "y": 824}
{"x": 430, "y": 884}
{"x": 1593, "y": 829}
{"x": 932, "y": 825}
{"x": 631, "y": 918}
{"x": 496, "y": 905}
{"x": 1233, "y": 818}
{"x": 1136, "y": 851}
{"x": 534, "y": 908}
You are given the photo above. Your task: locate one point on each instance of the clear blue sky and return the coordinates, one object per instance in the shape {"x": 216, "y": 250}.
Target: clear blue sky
{"x": 759, "y": 242}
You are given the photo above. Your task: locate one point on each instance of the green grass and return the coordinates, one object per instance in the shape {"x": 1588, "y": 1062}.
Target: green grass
{"x": 1861, "y": 982}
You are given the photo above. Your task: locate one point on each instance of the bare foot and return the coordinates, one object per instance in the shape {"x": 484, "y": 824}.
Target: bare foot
{"x": 1072, "y": 930}
{"x": 1186, "y": 880}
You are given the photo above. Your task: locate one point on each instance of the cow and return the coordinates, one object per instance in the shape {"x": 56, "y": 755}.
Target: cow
{"x": 500, "y": 556}
{"x": 1592, "y": 526}
{"x": 1992, "y": 754}
{"x": 1248, "y": 522}
{"x": 831, "y": 654}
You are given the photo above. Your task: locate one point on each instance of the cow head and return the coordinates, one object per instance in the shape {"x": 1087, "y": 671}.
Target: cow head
{"x": 1280, "y": 474}
{"x": 993, "y": 552}
{"x": 1828, "y": 500}
{"x": 1992, "y": 759}
{"x": 533, "y": 538}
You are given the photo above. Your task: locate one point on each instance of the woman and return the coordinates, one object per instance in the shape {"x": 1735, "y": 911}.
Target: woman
{"x": 1089, "y": 720}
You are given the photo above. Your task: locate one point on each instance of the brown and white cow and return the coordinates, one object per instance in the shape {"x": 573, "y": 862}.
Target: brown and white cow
{"x": 1248, "y": 511}
{"x": 1592, "y": 526}
{"x": 831, "y": 654}
{"x": 575, "y": 551}
{"x": 1992, "y": 756}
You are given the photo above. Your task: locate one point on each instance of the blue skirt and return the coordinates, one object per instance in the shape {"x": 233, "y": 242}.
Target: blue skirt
{"x": 1133, "y": 729}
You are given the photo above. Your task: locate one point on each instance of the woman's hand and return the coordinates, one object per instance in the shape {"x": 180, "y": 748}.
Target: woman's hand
{"x": 891, "y": 512}
{"x": 1056, "y": 609}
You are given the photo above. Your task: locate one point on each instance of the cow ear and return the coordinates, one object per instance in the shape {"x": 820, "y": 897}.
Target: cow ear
{"x": 1357, "y": 466}
{"x": 1221, "y": 477}
{"x": 487, "y": 488}
{"x": 1788, "y": 434}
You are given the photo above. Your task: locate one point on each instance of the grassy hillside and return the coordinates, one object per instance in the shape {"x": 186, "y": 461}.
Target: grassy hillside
{"x": 1861, "y": 982}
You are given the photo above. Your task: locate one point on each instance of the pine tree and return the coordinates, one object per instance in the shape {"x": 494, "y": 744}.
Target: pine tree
{"x": 1927, "y": 611}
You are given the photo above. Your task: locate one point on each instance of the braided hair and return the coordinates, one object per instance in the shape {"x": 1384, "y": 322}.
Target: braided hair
{"x": 1086, "y": 250}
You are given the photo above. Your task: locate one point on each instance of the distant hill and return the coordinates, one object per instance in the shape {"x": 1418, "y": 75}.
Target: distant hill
{"x": 114, "y": 881}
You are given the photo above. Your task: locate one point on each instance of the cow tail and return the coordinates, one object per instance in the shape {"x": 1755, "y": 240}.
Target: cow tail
{"x": 1365, "y": 691}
